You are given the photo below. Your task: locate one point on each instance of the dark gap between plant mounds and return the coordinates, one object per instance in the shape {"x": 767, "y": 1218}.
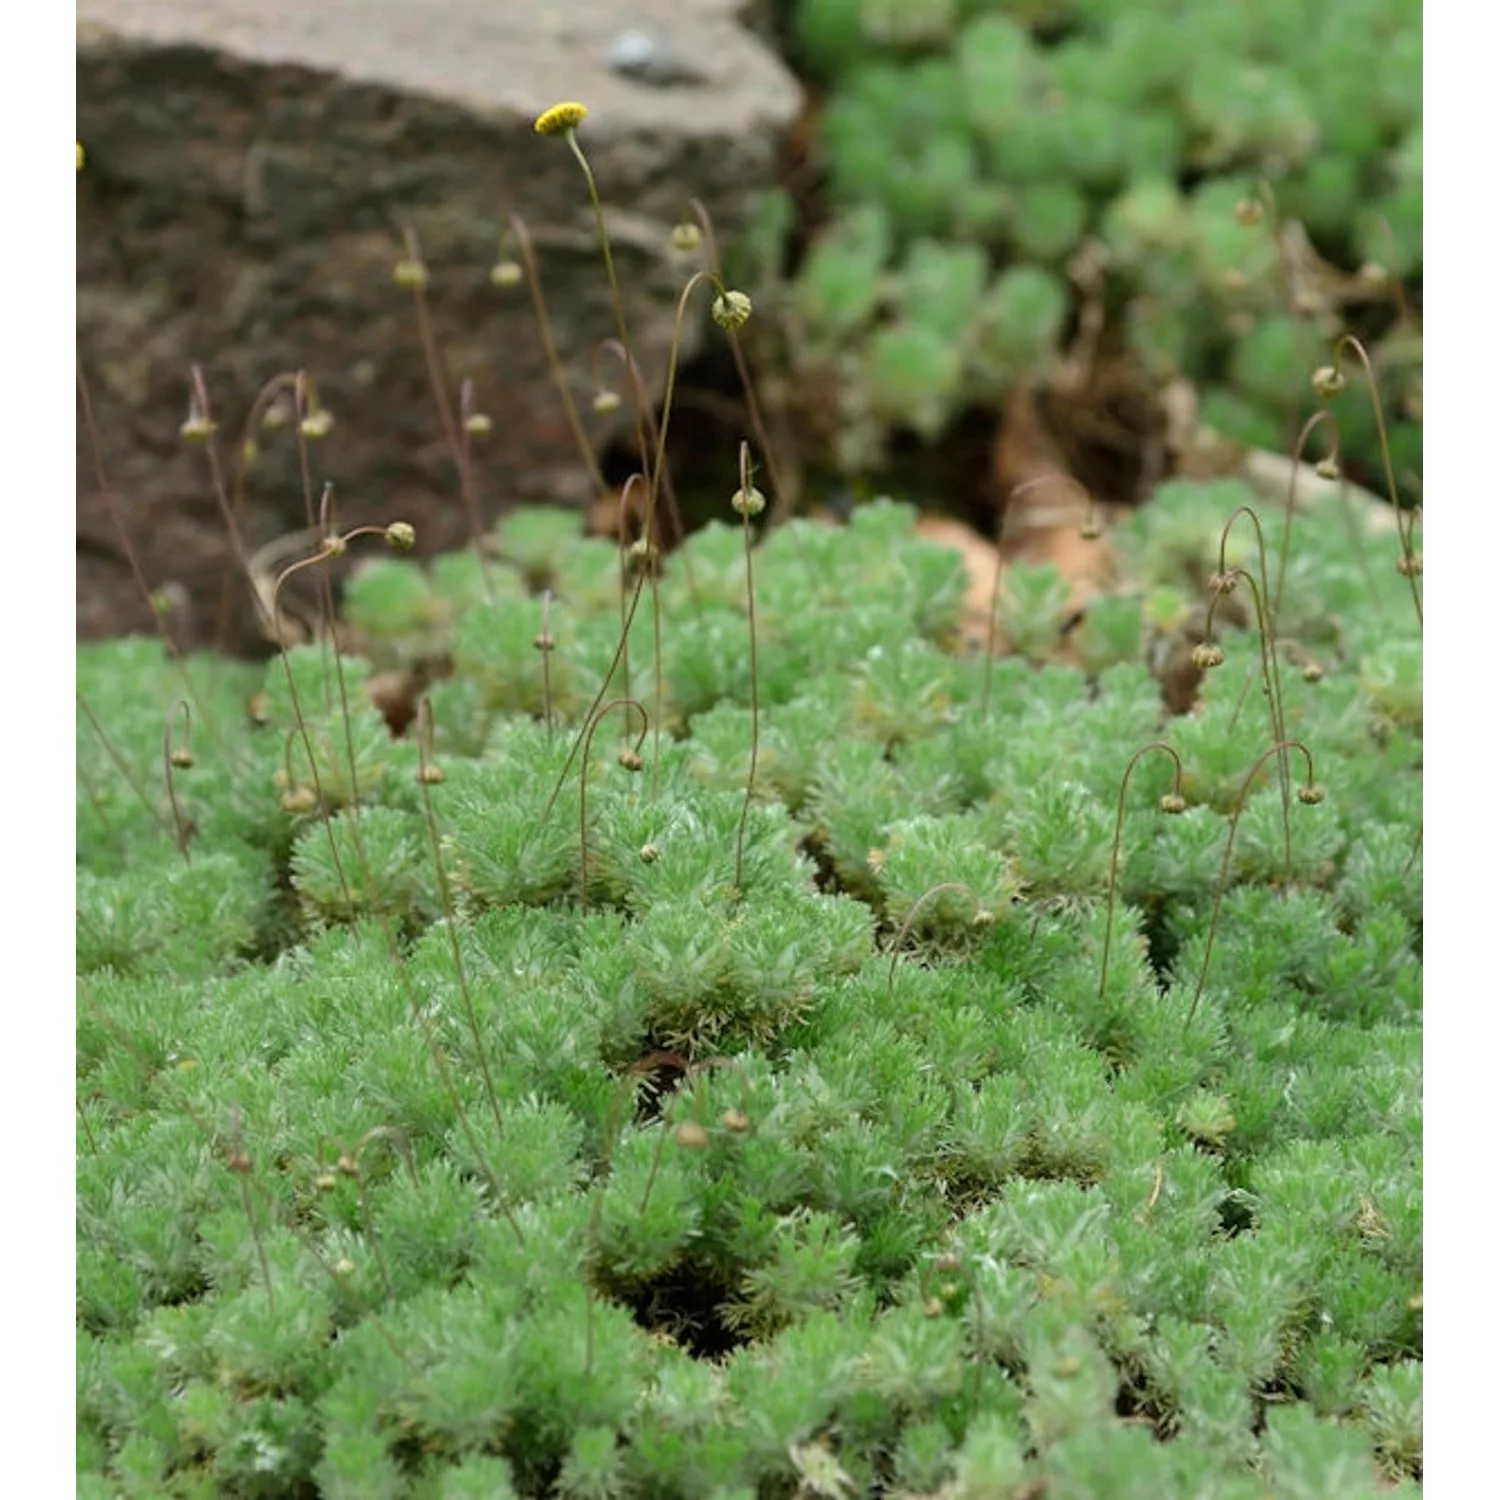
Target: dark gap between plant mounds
{"x": 709, "y": 420}
{"x": 1135, "y": 1403}
{"x": 661, "y": 1069}
{"x": 687, "y": 1306}
{"x": 1235, "y": 1215}
{"x": 1162, "y": 944}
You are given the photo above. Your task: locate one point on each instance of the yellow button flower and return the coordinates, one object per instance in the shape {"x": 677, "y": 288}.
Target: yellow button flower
{"x": 561, "y": 118}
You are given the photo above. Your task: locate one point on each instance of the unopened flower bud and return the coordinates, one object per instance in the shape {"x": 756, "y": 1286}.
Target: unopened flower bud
{"x": 1207, "y": 656}
{"x": 476, "y": 424}
{"x": 182, "y": 758}
{"x": 505, "y": 273}
{"x": 1328, "y": 381}
{"x": 1173, "y": 803}
{"x": 1249, "y": 212}
{"x": 731, "y": 310}
{"x": 606, "y": 402}
{"x": 1310, "y": 794}
{"x": 630, "y": 759}
{"x": 197, "y": 428}
{"x": 748, "y": 504}
{"x": 430, "y": 774}
{"x": 410, "y": 273}
{"x": 686, "y": 237}
{"x": 1409, "y": 565}
{"x": 649, "y": 854}
{"x": 736, "y": 1120}
{"x": 1326, "y": 468}
{"x": 1312, "y": 671}
{"x": 691, "y": 1136}
{"x": 400, "y": 536}
{"x": 317, "y": 424}
{"x": 299, "y": 799}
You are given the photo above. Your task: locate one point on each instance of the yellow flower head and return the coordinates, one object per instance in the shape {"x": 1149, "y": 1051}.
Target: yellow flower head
{"x": 561, "y": 118}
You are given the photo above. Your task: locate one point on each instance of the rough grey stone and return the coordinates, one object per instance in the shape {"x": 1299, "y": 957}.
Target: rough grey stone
{"x": 251, "y": 164}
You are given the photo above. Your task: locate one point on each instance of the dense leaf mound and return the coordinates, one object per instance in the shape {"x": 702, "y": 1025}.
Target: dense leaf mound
{"x": 494, "y": 1109}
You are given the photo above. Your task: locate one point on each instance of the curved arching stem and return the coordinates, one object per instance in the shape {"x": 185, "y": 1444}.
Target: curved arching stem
{"x": 428, "y": 775}
{"x": 1309, "y": 792}
{"x": 173, "y": 757}
{"x": 1114, "y": 858}
{"x": 779, "y": 494}
{"x": 614, "y": 666}
{"x": 1406, "y": 520}
{"x": 911, "y": 916}
{"x": 583, "y": 777}
{"x": 1269, "y": 660}
{"x": 739, "y": 838}
{"x": 554, "y": 361}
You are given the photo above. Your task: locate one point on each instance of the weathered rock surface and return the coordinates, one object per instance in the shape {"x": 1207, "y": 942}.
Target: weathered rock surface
{"x": 251, "y": 164}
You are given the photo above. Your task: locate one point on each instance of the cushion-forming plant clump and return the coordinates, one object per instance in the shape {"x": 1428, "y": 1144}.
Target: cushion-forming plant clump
{"x": 1227, "y": 187}
{"x": 715, "y": 1036}
{"x": 404, "y": 1168}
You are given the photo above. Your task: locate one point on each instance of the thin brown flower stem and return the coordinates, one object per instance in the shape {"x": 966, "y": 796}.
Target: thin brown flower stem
{"x": 554, "y": 362}
{"x": 623, "y": 550}
{"x": 245, "y": 457}
{"x": 238, "y": 557}
{"x": 603, "y": 687}
{"x": 1308, "y": 427}
{"x": 467, "y": 486}
{"x": 169, "y": 764}
{"x": 779, "y": 499}
{"x": 653, "y": 560}
{"x": 668, "y": 490}
{"x": 323, "y": 626}
{"x": 545, "y": 647}
{"x": 911, "y": 916}
{"x": 1270, "y": 660}
{"x": 240, "y": 1165}
{"x": 1114, "y": 858}
{"x": 97, "y": 803}
{"x": 1234, "y": 823}
{"x": 658, "y": 464}
{"x": 132, "y": 558}
{"x": 425, "y": 777}
{"x": 739, "y": 838}
{"x": 618, "y": 302}
{"x": 435, "y": 377}
{"x": 119, "y": 763}
{"x": 1405, "y": 519}
{"x": 362, "y": 1189}
{"x": 329, "y": 549}
{"x": 216, "y": 470}
{"x": 583, "y": 777}
{"x": 616, "y": 298}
